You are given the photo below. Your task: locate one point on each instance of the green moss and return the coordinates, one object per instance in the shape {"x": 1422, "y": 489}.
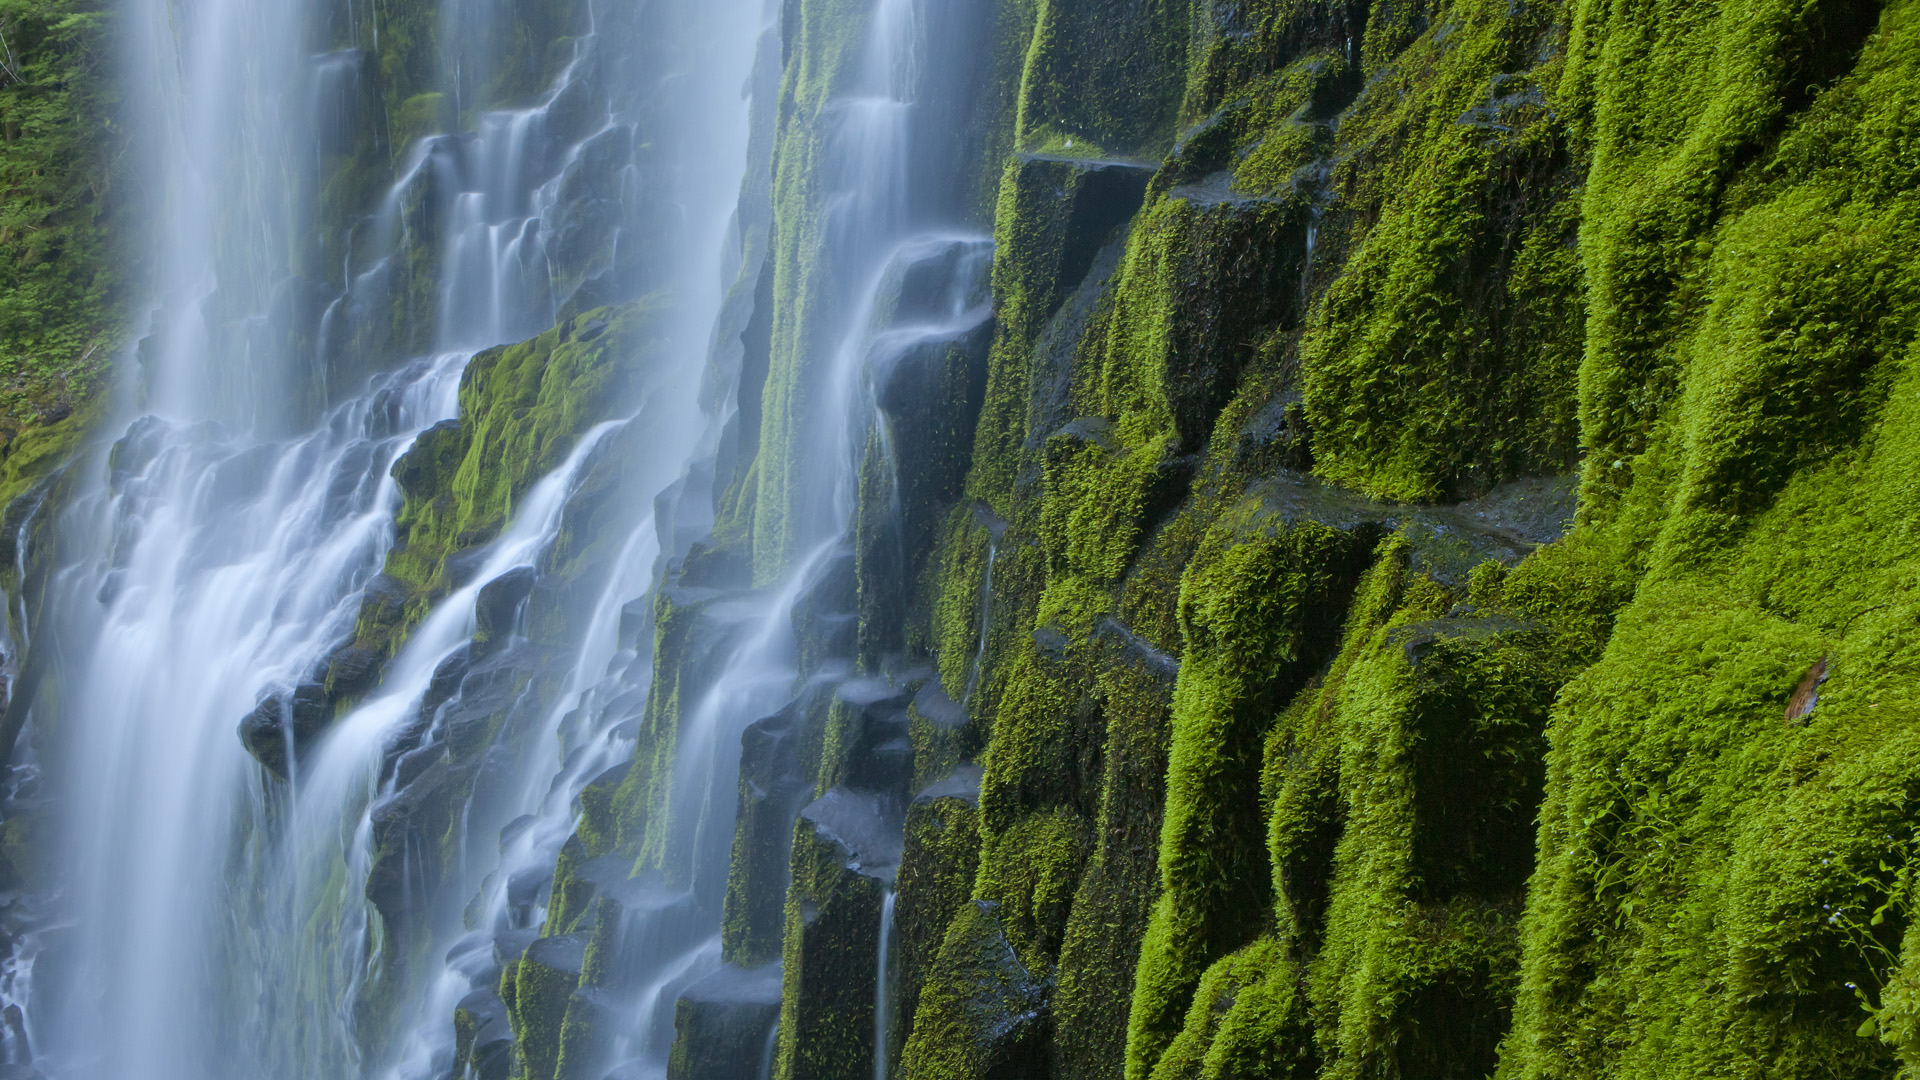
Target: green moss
{"x": 419, "y": 115}
{"x": 40, "y": 449}
{"x": 1256, "y": 616}
{"x": 1106, "y": 73}
{"x": 1111, "y": 905}
{"x": 831, "y": 941}
{"x": 538, "y": 1007}
{"x": 823, "y": 38}
{"x": 64, "y": 217}
{"x": 1029, "y": 871}
{"x": 1441, "y": 359}
{"x": 522, "y": 409}
{"x": 981, "y": 1012}
{"x": 936, "y": 880}
{"x": 1248, "y": 1019}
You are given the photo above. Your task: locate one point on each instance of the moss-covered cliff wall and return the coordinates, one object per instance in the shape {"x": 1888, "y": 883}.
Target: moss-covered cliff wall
{"x": 1319, "y": 734}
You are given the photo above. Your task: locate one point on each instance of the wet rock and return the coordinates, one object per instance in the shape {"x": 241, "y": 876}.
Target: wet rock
{"x": 826, "y": 618}
{"x": 772, "y": 789}
{"x": 1230, "y": 277}
{"x": 846, "y": 848}
{"x": 429, "y": 464}
{"x": 524, "y": 886}
{"x": 543, "y": 985}
{"x": 515, "y": 829}
{"x": 416, "y": 762}
{"x": 1538, "y": 510}
{"x": 1447, "y": 541}
{"x": 934, "y": 705}
{"x": 1074, "y": 205}
{"x": 1053, "y": 644}
{"x": 1137, "y": 649}
{"x": 446, "y": 679}
{"x": 937, "y": 868}
{"x": 285, "y": 722}
{"x": 482, "y": 1037}
{"x": 351, "y": 670}
{"x": 383, "y": 604}
{"x": 879, "y": 755}
{"x": 509, "y": 946}
{"x": 134, "y": 451}
{"x": 496, "y": 606}
{"x": 722, "y": 1024}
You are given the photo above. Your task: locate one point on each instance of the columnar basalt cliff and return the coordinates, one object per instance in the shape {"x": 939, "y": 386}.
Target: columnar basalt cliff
{"x": 1190, "y": 540}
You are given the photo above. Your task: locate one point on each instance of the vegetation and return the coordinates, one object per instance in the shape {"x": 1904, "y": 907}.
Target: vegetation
{"x": 64, "y": 192}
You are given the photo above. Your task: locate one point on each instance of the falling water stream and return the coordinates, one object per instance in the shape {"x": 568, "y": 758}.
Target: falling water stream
{"x": 220, "y": 551}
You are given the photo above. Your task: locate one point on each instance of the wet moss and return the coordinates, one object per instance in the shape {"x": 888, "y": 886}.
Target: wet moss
{"x": 936, "y": 880}
{"x": 522, "y": 409}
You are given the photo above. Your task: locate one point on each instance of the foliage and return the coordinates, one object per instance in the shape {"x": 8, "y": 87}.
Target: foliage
{"x": 64, "y": 189}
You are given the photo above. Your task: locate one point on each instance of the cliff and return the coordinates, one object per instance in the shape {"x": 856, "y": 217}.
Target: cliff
{"x": 1421, "y": 451}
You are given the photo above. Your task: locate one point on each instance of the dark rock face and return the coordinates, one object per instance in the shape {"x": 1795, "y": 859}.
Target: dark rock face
{"x": 772, "y": 790}
{"x": 936, "y": 878}
{"x": 286, "y": 724}
{"x": 495, "y": 607}
{"x": 483, "y": 1039}
{"x": 723, "y": 1024}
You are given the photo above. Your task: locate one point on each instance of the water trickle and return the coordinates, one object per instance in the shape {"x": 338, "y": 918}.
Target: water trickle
{"x": 882, "y": 991}
{"x": 766, "y": 1053}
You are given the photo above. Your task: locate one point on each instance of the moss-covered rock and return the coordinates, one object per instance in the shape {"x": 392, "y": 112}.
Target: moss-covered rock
{"x": 936, "y": 878}
{"x": 846, "y": 849}
{"x": 981, "y": 1013}
{"x": 723, "y": 1024}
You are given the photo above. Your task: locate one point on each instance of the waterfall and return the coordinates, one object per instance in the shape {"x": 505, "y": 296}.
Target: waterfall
{"x": 219, "y": 544}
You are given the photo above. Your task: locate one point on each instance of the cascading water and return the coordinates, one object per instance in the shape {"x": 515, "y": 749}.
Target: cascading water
{"x": 209, "y": 560}
{"x": 212, "y": 563}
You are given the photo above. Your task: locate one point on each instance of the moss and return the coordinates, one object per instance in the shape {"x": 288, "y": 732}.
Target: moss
{"x": 1105, "y": 73}
{"x": 831, "y": 944}
{"x": 522, "y": 408}
{"x": 421, "y": 115}
{"x": 822, "y": 47}
{"x": 1028, "y": 871}
{"x": 1248, "y": 1019}
{"x": 772, "y": 784}
{"x": 1706, "y": 214}
{"x": 1440, "y": 361}
{"x": 1111, "y": 904}
{"x": 982, "y": 1013}
{"x": 65, "y": 217}
{"x": 1256, "y": 617}
{"x": 38, "y": 450}
{"x": 936, "y": 880}
{"x": 543, "y": 984}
